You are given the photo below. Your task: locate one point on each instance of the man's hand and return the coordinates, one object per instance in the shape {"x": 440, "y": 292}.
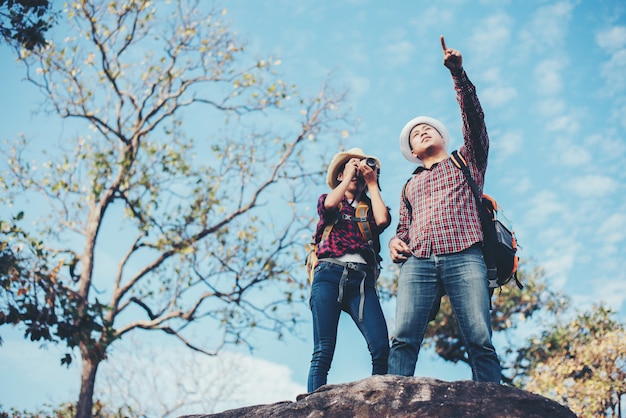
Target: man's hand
{"x": 451, "y": 57}
{"x": 398, "y": 250}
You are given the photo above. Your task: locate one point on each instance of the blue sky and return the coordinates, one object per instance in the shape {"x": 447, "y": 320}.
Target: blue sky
{"x": 551, "y": 76}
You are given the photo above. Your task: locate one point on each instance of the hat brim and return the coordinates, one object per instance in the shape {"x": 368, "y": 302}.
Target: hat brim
{"x": 405, "y": 146}
{"x": 340, "y": 159}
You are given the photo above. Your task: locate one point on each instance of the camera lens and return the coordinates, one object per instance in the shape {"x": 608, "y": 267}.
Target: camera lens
{"x": 371, "y": 162}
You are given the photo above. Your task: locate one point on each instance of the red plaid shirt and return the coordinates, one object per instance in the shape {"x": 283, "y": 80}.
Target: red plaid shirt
{"x": 443, "y": 217}
{"x": 345, "y": 237}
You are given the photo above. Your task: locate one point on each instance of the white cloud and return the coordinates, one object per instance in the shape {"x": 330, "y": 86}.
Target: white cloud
{"x": 548, "y": 78}
{"x": 612, "y": 38}
{"x": 543, "y": 205}
{"x": 593, "y": 185}
{"x": 498, "y": 96}
{"x": 568, "y": 124}
{"x": 611, "y": 233}
{"x": 508, "y": 143}
{"x": 561, "y": 256}
{"x": 357, "y": 54}
{"x": 275, "y": 379}
{"x": 399, "y": 53}
{"x": 550, "y": 106}
{"x": 498, "y": 93}
{"x": 433, "y": 17}
{"x": 546, "y": 31}
{"x": 155, "y": 380}
{"x": 522, "y": 184}
{"x": 613, "y": 41}
{"x": 611, "y": 142}
{"x": 491, "y": 35}
{"x": 613, "y": 71}
{"x": 575, "y": 155}
{"x": 607, "y": 289}
{"x": 359, "y": 86}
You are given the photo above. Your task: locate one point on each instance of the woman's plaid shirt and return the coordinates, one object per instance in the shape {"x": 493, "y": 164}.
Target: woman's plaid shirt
{"x": 443, "y": 217}
{"x": 345, "y": 237}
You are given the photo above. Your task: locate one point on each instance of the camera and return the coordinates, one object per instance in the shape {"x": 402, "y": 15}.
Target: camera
{"x": 371, "y": 162}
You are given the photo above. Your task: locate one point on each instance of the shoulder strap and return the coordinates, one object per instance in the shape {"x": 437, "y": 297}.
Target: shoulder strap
{"x": 361, "y": 214}
{"x": 486, "y": 219}
{"x": 329, "y": 227}
{"x": 406, "y": 199}
{"x": 459, "y": 161}
{"x": 360, "y": 218}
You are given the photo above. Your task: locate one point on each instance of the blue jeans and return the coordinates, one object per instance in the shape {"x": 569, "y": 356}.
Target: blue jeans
{"x": 463, "y": 276}
{"x": 326, "y": 310}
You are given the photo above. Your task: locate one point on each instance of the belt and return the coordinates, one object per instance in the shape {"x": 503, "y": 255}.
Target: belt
{"x": 347, "y": 265}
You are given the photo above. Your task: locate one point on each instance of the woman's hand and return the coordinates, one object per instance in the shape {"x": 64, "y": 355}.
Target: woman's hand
{"x": 369, "y": 174}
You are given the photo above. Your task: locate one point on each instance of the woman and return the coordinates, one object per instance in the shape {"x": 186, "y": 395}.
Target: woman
{"x": 348, "y": 261}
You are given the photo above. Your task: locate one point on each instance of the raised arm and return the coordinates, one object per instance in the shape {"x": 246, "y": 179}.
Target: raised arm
{"x": 452, "y": 58}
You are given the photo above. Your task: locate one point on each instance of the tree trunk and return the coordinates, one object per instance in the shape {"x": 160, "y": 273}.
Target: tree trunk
{"x": 87, "y": 383}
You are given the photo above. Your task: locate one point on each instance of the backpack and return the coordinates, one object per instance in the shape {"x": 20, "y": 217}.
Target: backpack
{"x": 499, "y": 241}
{"x": 360, "y": 217}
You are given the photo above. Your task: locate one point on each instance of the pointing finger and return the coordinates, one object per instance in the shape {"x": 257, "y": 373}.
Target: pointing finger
{"x": 443, "y": 44}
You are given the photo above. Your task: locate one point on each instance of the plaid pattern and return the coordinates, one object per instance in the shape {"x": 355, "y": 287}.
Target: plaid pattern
{"x": 444, "y": 218}
{"x": 345, "y": 237}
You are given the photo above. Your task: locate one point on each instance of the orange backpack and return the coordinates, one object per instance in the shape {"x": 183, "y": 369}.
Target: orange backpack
{"x": 499, "y": 242}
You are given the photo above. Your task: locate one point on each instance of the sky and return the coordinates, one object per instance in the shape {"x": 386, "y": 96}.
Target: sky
{"x": 551, "y": 77}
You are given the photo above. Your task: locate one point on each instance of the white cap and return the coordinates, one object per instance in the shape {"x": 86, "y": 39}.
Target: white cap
{"x": 405, "y": 147}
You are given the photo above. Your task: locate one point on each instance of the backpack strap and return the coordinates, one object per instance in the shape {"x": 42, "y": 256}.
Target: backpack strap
{"x": 406, "y": 199}
{"x": 329, "y": 227}
{"x": 460, "y": 162}
{"x": 361, "y": 217}
{"x": 486, "y": 220}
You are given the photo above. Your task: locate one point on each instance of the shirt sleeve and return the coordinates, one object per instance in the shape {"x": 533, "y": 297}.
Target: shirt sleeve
{"x": 475, "y": 139}
{"x": 325, "y": 214}
{"x": 404, "y": 219}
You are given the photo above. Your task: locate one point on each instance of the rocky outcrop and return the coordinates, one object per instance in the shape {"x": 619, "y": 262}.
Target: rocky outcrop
{"x": 396, "y": 396}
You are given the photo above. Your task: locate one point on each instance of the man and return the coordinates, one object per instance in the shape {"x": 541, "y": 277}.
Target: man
{"x": 439, "y": 235}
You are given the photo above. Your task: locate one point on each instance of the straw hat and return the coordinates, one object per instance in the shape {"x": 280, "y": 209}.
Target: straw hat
{"x": 340, "y": 159}
{"x": 405, "y": 147}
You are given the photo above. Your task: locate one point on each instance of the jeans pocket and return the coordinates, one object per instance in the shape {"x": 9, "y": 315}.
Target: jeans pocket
{"x": 320, "y": 267}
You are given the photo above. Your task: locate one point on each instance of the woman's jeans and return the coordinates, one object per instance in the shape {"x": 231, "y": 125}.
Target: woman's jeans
{"x": 326, "y": 310}
{"x": 463, "y": 276}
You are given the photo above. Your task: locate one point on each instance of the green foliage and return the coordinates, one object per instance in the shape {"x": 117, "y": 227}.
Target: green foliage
{"x": 25, "y": 22}
{"x": 580, "y": 363}
{"x": 34, "y": 296}
{"x": 150, "y": 221}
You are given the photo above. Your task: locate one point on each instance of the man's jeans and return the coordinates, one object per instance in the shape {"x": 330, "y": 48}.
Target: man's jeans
{"x": 464, "y": 278}
{"x": 326, "y": 311}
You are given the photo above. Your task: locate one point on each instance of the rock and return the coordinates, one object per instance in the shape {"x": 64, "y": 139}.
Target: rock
{"x": 397, "y": 396}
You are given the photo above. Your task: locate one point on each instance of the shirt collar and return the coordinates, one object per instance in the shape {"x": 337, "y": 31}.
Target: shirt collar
{"x": 422, "y": 168}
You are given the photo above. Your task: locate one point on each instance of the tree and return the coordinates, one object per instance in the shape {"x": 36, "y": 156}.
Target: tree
{"x": 25, "y": 22}
{"x": 144, "y": 226}
{"x": 580, "y": 363}
{"x": 27, "y": 285}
